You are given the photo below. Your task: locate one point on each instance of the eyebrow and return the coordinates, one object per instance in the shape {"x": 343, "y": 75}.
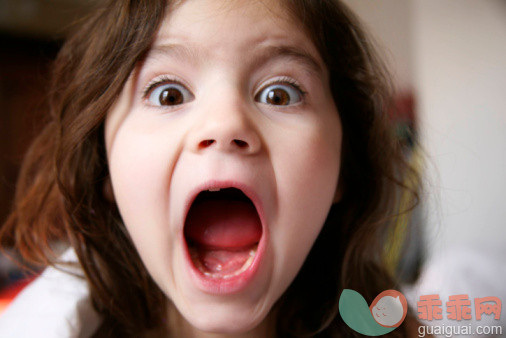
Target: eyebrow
{"x": 177, "y": 51}
{"x": 260, "y": 57}
{"x": 296, "y": 54}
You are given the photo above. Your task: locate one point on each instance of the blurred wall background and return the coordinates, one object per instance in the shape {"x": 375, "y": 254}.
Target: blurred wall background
{"x": 31, "y": 32}
{"x": 460, "y": 75}
{"x": 452, "y": 56}
{"x": 41, "y": 18}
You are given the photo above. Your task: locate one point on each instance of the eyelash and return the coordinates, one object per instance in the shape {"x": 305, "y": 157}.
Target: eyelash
{"x": 166, "y": 80}
{"x": 286, "y": 81}
{"x": 158, "y": 82}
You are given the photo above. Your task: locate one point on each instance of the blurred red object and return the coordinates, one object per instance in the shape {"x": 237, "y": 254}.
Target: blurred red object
{"x": 9, "y": 293}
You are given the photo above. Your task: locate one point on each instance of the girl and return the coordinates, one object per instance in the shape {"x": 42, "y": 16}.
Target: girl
{"x": 217, "y": 166}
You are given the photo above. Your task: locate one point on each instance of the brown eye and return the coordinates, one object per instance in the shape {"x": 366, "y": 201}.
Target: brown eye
{"x": 279, "y": 95}
{"x": 169, "y": 94}
{"x": 171, "y": 97}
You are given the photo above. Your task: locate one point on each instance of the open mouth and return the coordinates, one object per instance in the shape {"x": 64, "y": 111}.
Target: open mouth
{"x": 222, "y": 232}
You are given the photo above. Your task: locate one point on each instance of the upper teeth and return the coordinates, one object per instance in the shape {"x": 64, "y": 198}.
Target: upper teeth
{"x": 214, "y": 189}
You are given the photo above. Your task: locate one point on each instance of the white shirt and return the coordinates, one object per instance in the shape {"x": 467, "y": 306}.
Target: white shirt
{"x": 56, "y": 304}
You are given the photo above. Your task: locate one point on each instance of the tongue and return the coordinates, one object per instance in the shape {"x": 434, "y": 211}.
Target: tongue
{"x": 221, "y": 262}
{"x": 223, "y": 225}
{"x": 223, "y": 235}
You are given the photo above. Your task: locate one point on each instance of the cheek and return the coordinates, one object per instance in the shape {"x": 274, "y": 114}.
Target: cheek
{"x": 141, "y": 157}
{"x": 309, "y": 177}
{"x": 135, "y": 177}
{"x": 307, "y": 171}
{"x": 309, "y": 164}
{"x": 137, "y": 173}
{"x": 140, "y": 164}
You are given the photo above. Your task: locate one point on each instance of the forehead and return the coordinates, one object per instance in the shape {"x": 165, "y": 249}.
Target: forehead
{"x": 196, "y": 29}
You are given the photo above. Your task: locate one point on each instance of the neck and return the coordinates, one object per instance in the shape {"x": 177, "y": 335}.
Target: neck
{"x": 178, "y": 326}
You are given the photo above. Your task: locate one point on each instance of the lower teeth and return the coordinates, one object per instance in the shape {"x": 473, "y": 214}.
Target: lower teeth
{"x": 198, "y": 264}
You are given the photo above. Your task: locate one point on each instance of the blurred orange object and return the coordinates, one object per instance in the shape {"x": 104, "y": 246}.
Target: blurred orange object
{"x": 9, "y": 293}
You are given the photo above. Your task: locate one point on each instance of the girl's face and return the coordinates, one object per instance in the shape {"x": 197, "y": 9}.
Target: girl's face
{"x": 232, "y": 96}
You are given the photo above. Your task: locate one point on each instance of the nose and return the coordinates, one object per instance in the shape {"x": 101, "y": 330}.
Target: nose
{"x": 225, "y": 127}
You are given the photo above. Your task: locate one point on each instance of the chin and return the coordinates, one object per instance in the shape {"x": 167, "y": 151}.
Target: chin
{"x": 223, "y": 319}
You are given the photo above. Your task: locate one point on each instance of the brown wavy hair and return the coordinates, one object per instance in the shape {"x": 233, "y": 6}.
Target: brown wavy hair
{"x": 60, "y": 193}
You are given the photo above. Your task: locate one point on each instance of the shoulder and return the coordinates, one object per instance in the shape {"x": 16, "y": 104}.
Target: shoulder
{"x": 56, "y": 304}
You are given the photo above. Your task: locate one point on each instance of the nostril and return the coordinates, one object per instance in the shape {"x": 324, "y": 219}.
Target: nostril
{"x": 234, "y": 143}
{"x": 241, "y": 143}
{"x": 205, "y": 143}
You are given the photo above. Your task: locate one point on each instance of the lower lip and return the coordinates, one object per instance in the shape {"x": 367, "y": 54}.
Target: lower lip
{"x": 223, "y": 286}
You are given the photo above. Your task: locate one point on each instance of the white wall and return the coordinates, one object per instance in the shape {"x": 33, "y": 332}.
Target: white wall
{"x": 390, "y": 23}
{"x": 453, "y": 53}
{"x": 460, "y": 77}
